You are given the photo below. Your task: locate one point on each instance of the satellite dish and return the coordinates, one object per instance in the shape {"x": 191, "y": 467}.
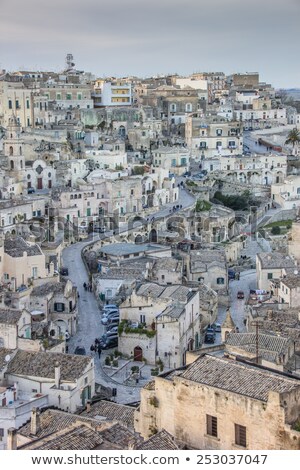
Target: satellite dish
{"x": 7, "y": 358}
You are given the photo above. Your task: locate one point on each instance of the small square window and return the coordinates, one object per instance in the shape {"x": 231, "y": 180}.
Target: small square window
{"x": 211, "y": 426}
{"x": 240, "y": 435}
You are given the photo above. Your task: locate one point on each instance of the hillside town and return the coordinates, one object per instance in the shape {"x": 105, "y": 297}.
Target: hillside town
{"x": 149, "y": 262}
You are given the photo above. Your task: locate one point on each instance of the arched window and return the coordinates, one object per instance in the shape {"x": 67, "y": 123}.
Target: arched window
{"x": 21, "y": 165}
{"x": 188, "y": 107}
{"x": 20, "y": 150}
{"x": 173, "y": 107}
{"x": 12, "y": 165}
{"x": 11, "y": 151}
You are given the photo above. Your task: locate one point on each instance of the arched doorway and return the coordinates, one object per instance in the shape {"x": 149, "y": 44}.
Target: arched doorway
{"x": 138, "y": 239}
{"x": 153, "y": 236}
{"x": 138, "y": 354}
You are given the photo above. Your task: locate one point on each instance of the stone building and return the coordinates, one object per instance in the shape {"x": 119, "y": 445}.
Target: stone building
{"x": 170, "y": 319}
{"x": 68, "y": 380}
{"x": 14, "y": 325}
{"x": 209, "y": 136}
{"x": 216, "y": 403}
{"x": 269, "y": 266}
{"x": 58, "y": 302}
{"x": 208, "y": 267}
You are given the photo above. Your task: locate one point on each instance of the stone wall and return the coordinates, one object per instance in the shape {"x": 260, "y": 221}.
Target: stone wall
{"x": 182, "y": 406}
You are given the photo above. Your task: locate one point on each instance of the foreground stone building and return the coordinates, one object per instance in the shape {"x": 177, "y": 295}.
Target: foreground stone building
{"x": 216, "y": 403}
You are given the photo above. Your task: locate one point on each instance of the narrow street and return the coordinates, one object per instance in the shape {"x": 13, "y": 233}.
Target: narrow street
{"x": 237, "y": 306}
{"x": 89, "y": 317}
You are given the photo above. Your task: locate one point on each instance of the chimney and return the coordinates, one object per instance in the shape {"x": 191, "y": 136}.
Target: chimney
{"x": 35, "y": 421}
{"x": 88, "y": 406}
{"x": 270, "y": 314}
{"x": 12, "y": 439}
{"x": 57, "y": 374}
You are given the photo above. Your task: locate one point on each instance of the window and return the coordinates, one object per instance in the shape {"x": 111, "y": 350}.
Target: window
{"x": 27, "y": 104}
{"x": 142, "y": 319}
{"x": 218, "y": 131}
{"x": 270, "y": 275}
{"x": 34, "y": 272}
{"x": 218, "y": 144}
{"x": 173, "y": 162}
{"x": 202, "y": 145}
{"x": 211, "y": 426}
{"x": 59, "y": 307}
{"x": 220, "y": 280}
{"x": 240, "y": 435}
{"x": 9, "y": 104}
{"x": 17, "y": 104}
{"x": 183, "y": 161}
{"x": 1, "y": 433}
{"x": 69, "y": 96}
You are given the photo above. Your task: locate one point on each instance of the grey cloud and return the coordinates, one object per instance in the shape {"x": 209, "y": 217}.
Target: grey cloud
{"x": 134, "y": 37}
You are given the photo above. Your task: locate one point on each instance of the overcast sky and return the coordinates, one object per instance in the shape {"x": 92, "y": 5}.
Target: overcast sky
{"x": 138, "y": 37}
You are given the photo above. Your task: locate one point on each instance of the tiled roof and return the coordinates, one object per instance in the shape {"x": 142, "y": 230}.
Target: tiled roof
{"x": 291, "y": 281}
{"x": 275, "y": 260}
{"x": 16, "y": 246}
{"x": 118, "y": 435}
{"x": 274, "y": 343}
{"x": 150, "y": 289}
{"x": 160, "y": 441}
{"x": 73, "y": 438}
{"x": 173, "y": 311}
{"x": 167, "y": 264}
{"x": 10, "y": 316}
{"x": 239, "y": 378}
{"x": 175, "y": 292}
{"x": 112, "y": 411}
{"x": 3, "y": 354}
{"x": 121, "y": 249}
{"x": 52, "y": 421}
{"x": 49, "y": 287}
{"x": 180, "y": 293}
{"x": 42, "y": 364}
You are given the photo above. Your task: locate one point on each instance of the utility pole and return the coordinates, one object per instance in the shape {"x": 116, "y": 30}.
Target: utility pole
{"x": 257, "y": 324}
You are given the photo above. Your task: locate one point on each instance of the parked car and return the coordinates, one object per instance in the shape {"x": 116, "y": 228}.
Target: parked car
{"x": 108, "y": 334}
{"x": 108, "y": 320}
{"x": 110, "y": 313}
{"x": 186, "y": 174}
{"x": 109, "y": 342}
{"x": 64, "y": 271}
{"x": 109, "y": 307}
{"x": 99, "y": 229}
{"x": 210, "y": 335}
{"x": 240, "y": 295}
{"x": 112, "y": 326}
{"x": 30, "y": 190}
{"x": 231, "y": 274}
{"x": 217, "y": 327}
{"x": 80, "y": 351}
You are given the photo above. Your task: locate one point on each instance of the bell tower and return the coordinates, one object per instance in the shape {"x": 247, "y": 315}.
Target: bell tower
{"x": 13, "y": 146}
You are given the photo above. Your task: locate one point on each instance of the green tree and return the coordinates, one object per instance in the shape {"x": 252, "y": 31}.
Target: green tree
{"x": 293, "y": 138}
{"x": 275, "y": 230}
